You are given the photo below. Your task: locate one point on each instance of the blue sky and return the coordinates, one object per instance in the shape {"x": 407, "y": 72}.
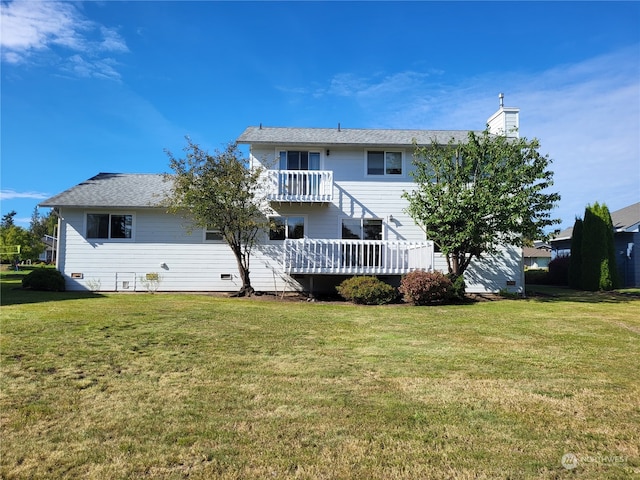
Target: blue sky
{"x": 91, "y": 87}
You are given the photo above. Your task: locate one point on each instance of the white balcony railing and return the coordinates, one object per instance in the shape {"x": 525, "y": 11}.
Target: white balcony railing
{"x": 356, "y": 257}
{"x": 300, "y": 185}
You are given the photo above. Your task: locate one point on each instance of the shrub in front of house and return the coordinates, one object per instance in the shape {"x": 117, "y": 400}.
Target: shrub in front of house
{"x": 424, "y": 288}
{"x": 46, "y": 279}
{"x": 559, "y": 271}
{"x": 536, "y": 276}
{"x": 367, "y": 291}
{"x": 458, "y": 287}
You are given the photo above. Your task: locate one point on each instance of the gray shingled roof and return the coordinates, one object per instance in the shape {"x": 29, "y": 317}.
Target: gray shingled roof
{"x": 347, "y": 136}
{"x": 114, "y": 190}
{"x": 532, "y": 252}
{"x": 623, "y": 220}
{"x": 626, "y": 217}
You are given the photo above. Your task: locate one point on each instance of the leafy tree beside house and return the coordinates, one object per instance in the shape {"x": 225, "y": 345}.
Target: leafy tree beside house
{"x": 43, "y": 225}
{"x": 12, "y": 235}
{"x": 471, "y": 197}
{"x": 220, "y": 192}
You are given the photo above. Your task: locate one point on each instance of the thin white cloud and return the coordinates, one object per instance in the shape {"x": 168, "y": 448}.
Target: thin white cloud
{"x": 112, "y": 41}
{"x": 100, "y": 68}
{"x": 30, "y": 28}
{"x": 22, "y": 221}
{"x": 8, "y": 194}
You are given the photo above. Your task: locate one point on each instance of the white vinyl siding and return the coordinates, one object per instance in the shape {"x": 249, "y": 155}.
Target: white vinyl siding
{"x": 189, "y": 262}
{"x": 163, "y": 245}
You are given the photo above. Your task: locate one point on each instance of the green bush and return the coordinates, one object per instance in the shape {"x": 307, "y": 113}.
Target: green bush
{"x": 458, "y": 287}
{"x": 44, "y": 279}
{"x": 367, "y": 291}
{"x": 559, "y": 271}
{"x": 423, "y": 288}
{"x": 536, "y": 276}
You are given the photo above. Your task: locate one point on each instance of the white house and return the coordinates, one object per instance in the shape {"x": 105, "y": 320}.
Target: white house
{"x": 336, "y": 194}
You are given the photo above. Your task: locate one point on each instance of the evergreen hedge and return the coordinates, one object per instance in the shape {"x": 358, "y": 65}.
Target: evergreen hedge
{"x": 598, "y": 266}
{"x": 575, "y": 260}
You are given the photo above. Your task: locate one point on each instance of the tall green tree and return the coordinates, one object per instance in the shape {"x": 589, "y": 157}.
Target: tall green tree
{"x": 43, "y": 225}
{"x": 599, "y": 269}
{"x": 473, "y": 196}
{"x": 609, "y": 279}
{"x": 30, "y": 246}
{"x": 592, "y": 249}
{"x": 221, "y": 192}
{"x": 7, "y": 219}
{"x": 575, "y": 260}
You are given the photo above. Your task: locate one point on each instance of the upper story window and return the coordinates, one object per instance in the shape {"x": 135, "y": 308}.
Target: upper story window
{"x": 299, "y": 160}
{"x": 380, "y": 162}
{"x": 286, "y": 227}
{"x": 109, "y": 225}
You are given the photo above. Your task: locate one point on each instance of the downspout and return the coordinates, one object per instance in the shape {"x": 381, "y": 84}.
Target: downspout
{"x": 56, "y": 234}
{"x": 522, "y": 277}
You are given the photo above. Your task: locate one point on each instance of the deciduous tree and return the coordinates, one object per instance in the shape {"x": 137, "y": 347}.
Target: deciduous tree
{"x": 473, "y": 196}
{"x": 30, "y": 246}
{"x": 221, "y": 192}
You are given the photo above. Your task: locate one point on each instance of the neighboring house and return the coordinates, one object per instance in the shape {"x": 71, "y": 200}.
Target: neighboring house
{"x": 336, "y": 195}
{"x": 537, "y": 257}
{"x": 48, "y": 255}
{"x": 626, "y": 235}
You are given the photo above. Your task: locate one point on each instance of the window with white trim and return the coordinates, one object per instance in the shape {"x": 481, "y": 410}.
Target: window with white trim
{"x": 382, "y": 162}
{"x": 109, "y": 225}
{"x": 299, "y": 160}
{"x": 362, "y": 228}
{"x": 286, "y": 227}
{"x": 212, "y": 234}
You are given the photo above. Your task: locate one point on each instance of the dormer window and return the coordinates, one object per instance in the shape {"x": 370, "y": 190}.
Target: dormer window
{"x": 381, "y": 162}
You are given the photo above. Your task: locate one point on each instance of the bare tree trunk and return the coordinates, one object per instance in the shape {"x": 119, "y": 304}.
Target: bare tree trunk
{"x": 454, "y": 264}
{"x": 246, "y": 290}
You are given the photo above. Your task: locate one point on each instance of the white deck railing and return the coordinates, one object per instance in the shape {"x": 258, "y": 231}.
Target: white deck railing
{"x": 300, "y": 185}
{"x": 356, "y": 257}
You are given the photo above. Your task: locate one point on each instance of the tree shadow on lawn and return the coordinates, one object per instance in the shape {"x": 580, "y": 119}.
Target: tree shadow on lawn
{"x": 544, "y": 293}
{"x": 12, "y": 294}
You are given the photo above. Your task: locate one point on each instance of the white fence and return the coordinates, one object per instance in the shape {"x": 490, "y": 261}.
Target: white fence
{"x": 356, "y": 257}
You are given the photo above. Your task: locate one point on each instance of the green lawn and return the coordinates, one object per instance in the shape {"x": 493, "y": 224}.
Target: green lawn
{"x": 195, "y": 386}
